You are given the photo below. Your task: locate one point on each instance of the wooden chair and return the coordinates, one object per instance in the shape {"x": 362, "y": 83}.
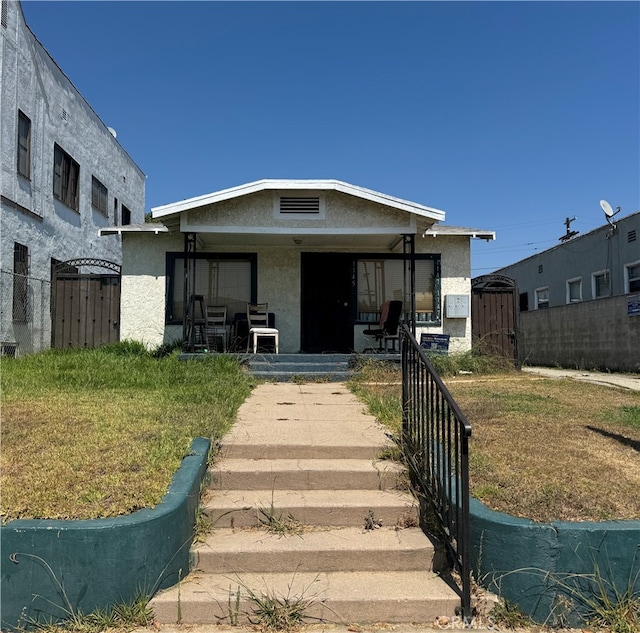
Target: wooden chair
{"x": 217, "y": 328}
{"x": 258, "y": 321}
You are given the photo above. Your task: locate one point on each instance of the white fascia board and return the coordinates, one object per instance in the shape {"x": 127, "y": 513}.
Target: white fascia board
{"x": 322, "y": 185}
{"x": 253, "y": 230}
{"x": 461, "y": 231}
{"x": 133, "y": 228}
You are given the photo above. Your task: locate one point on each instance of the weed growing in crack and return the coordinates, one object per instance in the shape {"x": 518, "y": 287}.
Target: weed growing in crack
{"x": 371, "y": 523}
{"x": 275, "y": 612}
{"x": 274, "y": 522}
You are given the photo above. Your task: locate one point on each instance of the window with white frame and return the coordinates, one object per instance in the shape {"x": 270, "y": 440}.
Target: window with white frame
{"x": 574, "y": 290}
{"x": 381, "y": 279}
{"x": 542, "y": 298}
{"x": 632, "y": 277}
{"x": 601, "y": 284}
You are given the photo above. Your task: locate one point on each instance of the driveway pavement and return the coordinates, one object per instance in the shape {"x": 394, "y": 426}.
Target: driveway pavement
{"x": 628, "y": 381}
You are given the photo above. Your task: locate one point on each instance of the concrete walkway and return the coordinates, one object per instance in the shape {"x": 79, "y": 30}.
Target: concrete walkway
{"x": 626, "y": 381}
{"x": 310, "y": 453}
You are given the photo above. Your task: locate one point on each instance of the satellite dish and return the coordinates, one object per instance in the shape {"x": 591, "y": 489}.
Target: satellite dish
{"x": 606, "y": 207}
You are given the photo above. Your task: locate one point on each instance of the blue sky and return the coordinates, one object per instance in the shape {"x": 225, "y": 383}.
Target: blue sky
{"x": 509, "y": 116}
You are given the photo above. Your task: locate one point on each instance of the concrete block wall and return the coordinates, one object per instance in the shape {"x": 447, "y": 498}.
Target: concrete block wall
{"x": 595, "y": 334}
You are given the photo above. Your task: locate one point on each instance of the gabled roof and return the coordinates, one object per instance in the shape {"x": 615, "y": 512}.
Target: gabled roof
{"x": 299, "y": 185}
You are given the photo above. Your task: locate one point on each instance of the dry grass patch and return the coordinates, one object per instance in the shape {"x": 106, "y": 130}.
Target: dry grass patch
{"x": 553, "y": 449}
{"x": 543, "y": 449}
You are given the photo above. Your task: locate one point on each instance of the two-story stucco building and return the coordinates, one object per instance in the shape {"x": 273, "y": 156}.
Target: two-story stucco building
{"x": 63, "y": 177}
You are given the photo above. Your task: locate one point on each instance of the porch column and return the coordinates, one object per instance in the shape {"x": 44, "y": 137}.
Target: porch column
{"x": 188, "y": 316}
{"x": 409, "y": 254}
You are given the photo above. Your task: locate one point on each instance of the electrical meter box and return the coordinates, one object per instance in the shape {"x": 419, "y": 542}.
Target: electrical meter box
{"x": 457, "y": 307}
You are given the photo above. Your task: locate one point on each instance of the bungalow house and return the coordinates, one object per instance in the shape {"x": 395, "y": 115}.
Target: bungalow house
{"x": 324, "y": 254}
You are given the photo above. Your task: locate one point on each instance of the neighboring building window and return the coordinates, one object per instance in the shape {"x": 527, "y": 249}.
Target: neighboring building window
{"x": 542, "y": 298}
{"x": 115, "y": 211}
{"x": 221, "y": 280}
{"x": 99, "y": 196}
{"x": 20, "y": 283}
{"x": 382, "y": 279}
{"x": 601, "y": 284}
{"x": 24, "y": 145}
{"x": 524, "y": 301}
{"x": 574, "y": 290}
{"x": 632, "y": 277}
{"x": 126, "y": 216}
{"x": 66, "y": 177}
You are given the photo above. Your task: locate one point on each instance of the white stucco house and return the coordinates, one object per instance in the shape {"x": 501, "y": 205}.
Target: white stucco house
{"x": 63, "y": 177}
{"x": 324, "y": 254}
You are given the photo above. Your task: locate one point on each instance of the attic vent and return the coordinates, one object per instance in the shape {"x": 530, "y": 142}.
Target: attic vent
{"x": 631, "y": 236}
{"x": 299, "y": 205}
{"x": 540, "y": 268}
{"x": 65, "y": 115}
{"x": 5, "y": 13}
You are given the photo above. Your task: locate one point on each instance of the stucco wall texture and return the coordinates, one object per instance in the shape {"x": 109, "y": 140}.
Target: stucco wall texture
{"x": 278, "y": 269}
{"x": 598, "y": 334}
{"x": 33, "y": 84}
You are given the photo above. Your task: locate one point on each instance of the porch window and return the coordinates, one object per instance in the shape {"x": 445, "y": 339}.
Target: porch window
{"x": 221, "y": 280}
{"x": 382, "y": 279}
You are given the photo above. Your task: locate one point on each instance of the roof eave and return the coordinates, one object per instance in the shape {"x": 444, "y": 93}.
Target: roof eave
{"x": 317, "y": 185}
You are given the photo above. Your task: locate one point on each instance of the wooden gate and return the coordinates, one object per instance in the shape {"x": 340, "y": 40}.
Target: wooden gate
{"x": 85, "y": 306}
{"x": 493, "y": 315}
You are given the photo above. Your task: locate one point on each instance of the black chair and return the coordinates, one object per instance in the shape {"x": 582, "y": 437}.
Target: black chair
{"x": 390, "y": 313}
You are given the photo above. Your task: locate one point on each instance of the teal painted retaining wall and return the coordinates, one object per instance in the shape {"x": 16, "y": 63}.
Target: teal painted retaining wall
{"x": 104, "y": 561}
{"x": 522, "y": 561}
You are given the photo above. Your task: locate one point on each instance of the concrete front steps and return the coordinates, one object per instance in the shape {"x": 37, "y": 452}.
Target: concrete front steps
{"x": 282, "y": 367}
{"x": 353, "y": 554}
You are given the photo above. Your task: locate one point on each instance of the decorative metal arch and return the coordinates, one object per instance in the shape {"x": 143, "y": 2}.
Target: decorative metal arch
{"x": 87, "y": 261}
{"x": 493, "y": 282}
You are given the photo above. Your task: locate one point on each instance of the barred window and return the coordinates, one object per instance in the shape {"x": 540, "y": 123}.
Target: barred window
{"x": 20, "y": 283}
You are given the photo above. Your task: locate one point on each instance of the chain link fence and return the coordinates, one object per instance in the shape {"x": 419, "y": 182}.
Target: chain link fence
{"x": 25, "y": 314}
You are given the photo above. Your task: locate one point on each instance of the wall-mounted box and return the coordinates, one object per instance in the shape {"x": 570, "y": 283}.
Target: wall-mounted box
{"x": 457, "y": 307}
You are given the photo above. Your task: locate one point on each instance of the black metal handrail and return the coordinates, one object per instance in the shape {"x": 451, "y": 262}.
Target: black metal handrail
{"x": 435, "y": 443}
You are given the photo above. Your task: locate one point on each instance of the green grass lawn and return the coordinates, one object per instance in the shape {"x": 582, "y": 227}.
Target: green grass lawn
{"x": 97, "y": 433}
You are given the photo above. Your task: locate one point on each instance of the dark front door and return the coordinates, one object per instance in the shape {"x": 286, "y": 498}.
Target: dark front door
{"x": 328, "y": 295}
